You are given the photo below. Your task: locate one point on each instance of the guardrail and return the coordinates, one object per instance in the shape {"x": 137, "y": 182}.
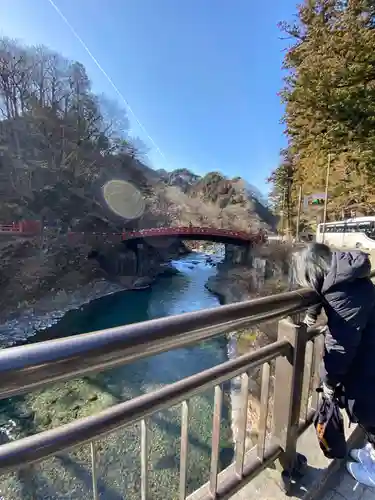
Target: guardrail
{"x": 297, "y": 354}
{"x": 31, "y": 367}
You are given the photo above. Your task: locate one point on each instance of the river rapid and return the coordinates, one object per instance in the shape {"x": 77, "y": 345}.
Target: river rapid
{"x": 68, "y": 476}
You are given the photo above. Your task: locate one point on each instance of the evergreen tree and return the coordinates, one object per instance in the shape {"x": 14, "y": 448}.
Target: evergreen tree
{"x": 329, "y": 97}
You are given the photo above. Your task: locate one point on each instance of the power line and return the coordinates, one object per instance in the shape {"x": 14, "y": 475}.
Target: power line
{"x": 100, "y": 67}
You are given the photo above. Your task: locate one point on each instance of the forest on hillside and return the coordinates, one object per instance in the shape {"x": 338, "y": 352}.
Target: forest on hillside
{"x": 329, "y": 99}
{"x": 59, "y": 141}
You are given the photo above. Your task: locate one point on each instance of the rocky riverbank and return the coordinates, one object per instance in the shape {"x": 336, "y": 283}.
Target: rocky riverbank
{"x": 265, "y": 274}
{"x": 45, "y": 279}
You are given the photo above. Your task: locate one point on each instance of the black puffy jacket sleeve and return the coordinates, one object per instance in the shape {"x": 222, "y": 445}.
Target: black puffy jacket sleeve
{"x": 339, "y": 352}
{"x": 315, "y": 310}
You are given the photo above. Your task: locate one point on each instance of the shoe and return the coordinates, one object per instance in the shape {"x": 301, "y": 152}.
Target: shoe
{"x": 362, "y": 473}
{"x": 362, "y": 455}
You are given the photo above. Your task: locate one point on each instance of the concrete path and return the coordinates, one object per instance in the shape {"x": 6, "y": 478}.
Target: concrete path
{"x": 266, "y": 486}
{"x": 336, "y": 485}
{"x": 343, "y": 486}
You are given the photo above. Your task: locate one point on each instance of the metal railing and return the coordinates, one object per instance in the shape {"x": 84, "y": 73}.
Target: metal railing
{"x": 32, "y": 367}
{"x": 296, "y": 354}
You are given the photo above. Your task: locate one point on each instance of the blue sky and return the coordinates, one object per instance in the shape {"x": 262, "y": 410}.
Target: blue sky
{"x": 201, "y": 76}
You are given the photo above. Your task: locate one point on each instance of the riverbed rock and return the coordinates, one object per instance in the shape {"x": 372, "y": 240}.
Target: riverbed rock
{"x": 142, "y": 283}
{"x": 26, "y": 414}
{"x": 169, "y": 270}
{"x": 65, "y": 402}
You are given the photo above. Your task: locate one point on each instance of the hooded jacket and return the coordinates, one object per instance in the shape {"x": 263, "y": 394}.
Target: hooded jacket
{"x": 348, "y": 298}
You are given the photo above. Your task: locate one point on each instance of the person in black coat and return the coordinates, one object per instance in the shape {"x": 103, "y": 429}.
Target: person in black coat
{"x": 347, "y": 295}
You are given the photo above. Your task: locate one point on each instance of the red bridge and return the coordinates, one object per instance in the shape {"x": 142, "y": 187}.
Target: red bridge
{"x": 21, "y": 228}
{"x": 186, "y": 233}
{"x": 198, "y": 233}
{"x": 33, "y": 227}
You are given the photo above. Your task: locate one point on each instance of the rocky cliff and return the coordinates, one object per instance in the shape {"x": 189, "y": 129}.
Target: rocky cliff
{"x": 224, "y": 202}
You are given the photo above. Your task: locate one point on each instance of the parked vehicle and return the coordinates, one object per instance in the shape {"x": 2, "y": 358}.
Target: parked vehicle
{"x": 358, "y": 232}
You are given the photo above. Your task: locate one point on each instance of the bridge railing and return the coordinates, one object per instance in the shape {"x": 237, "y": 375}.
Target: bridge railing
{"x": 193, "y": 230}
{"x": 9, "y": 228}
{"x": 250, "y": 237}
{"x": 296, "y": 354}
{"x": 29, "y": 227}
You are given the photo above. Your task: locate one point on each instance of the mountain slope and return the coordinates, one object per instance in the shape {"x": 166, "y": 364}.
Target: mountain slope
{"x": 216, "y": 200}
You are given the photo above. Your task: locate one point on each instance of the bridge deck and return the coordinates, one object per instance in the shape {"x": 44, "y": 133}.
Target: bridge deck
{"x": 324, "y": 479}
{"x": 343, "y": 486}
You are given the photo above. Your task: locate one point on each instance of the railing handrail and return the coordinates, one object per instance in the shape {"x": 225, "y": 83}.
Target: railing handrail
{"x": 40, "y": 446}
{"x": 30, "y": 367}
{"x": 194, "y": 230}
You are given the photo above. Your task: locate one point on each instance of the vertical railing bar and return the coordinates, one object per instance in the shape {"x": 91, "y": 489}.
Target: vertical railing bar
{"x": 307, "y": 380}
{"x": 312, "y": 377}
{"x": 144, "y": 459}
{"x": 264, "y": 405}
{"x": 317, "y": 359}
{"x": 287, "y": 392}
{"x": 241, "y": 434}
{"x": 184, "y": 448}
{"x": 215, "y": 444}
{"x": 314, "y": 394}
{"x": 95, "y": 492}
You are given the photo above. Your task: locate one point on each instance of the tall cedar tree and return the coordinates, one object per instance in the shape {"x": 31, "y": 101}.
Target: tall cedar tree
{"x": 329, "y": 97}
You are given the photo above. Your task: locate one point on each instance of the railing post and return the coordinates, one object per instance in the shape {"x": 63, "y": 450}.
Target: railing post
{"x": 288, "y": 393}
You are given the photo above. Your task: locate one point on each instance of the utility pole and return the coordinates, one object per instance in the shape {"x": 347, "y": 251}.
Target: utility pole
{"x": 282, "y": 213}
{"x": 299, "y": 212}
{"x": 326, "y": 196}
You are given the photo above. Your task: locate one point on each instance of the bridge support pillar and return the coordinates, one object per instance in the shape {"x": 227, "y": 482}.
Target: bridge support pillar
{"x": 238, "y": 255}
{"x": 126, "y": 263}
{"x": 248, "y": 257}
{"x": 140, "y": 255}
{"x": 230, "y": 254}
{"x": 138, "y": 248}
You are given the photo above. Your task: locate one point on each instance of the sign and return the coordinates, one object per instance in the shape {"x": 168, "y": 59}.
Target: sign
{"x": 314, "y": 200}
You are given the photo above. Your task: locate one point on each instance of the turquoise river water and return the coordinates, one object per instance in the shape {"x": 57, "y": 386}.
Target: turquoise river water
{"x": 68, "y": 476}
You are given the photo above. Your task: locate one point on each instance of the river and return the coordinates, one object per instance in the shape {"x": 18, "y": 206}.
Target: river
{"x": 118, "y": 455}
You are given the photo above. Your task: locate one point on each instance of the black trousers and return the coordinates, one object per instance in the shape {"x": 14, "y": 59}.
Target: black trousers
{"x": 370, "y": 433}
